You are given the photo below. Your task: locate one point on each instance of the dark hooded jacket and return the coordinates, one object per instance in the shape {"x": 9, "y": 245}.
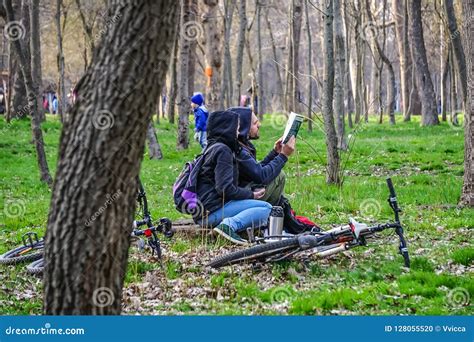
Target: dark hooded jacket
{"x": 218, "y": 176}
{"x": 250, "y": 170}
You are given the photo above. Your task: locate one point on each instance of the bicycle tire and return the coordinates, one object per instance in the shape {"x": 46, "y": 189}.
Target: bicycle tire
{"x": 15, "y": 256}
{"x": 36, "y": 267}
{"x": 256, "y": 252}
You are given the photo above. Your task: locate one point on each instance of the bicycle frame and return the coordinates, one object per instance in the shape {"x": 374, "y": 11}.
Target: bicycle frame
{"x": 150, "y": 232}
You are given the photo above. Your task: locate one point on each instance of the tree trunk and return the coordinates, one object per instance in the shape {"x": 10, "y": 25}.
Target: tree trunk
{"x": 171, "y": 97}
{"x": 261, "y": 96}
{"x": 33, "y": 94}
{"x": 453, "y": 89}
{"x": 429, "y": 114}
{"x": 386, "y": 61}
{"x": 467, "y": 197}
{"x": 240, "y": 50}
{"x": 333, "y": 176}
{"x": 457, "y": 46}
{"x": 400, "y": 15}
{"x": 35, "y": 47}
{"x": 292, "y": 91}
{"x": 101, "y": 148}
{"x": 62, "y": 100}
{"x": 444, "y": 81}
{"x": 20, "y": 105}
{"x": 183, "y": 96}
{"x": 339, "y": 75}
{"x": 226, "y": 86}
{"x": 212, "y": 27}
{"x": 310, "y": 71}
{"x": 193, "y": 10}
{"x": 277, "y": 66}
{"x": 154, "y": 148}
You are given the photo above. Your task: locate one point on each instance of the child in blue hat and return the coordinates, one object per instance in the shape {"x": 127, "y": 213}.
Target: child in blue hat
{"x": 200, "y": 119}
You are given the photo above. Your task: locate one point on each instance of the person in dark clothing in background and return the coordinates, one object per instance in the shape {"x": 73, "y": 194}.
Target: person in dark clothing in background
{"x": 200, "y": 118}
{"x": 269, "y": 171}
{"x": 230, "y": 208}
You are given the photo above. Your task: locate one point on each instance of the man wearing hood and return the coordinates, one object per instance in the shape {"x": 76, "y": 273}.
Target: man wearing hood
{"x": 268, "y": 173}
{"x": 228, "y": 207}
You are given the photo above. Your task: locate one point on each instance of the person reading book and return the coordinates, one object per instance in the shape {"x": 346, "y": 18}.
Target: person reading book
{"x": 268, "y": 173}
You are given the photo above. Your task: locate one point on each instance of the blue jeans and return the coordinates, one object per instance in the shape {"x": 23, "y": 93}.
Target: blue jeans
{"x": 203, "y": 139}
{"x": 242, "y": 214}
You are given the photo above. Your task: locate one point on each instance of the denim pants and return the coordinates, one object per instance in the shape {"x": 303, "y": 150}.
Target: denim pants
{"x": 203, "y": 139}
{"x": 242, "y": 214}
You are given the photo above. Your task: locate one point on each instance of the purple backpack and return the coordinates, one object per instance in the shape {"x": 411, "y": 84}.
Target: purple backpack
{"x": 185, "y": 187}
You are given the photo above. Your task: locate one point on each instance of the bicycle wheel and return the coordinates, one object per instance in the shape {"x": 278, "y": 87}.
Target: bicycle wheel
{"x": 36, "y": 267}
{"x": 256, "y": 252}
{"x": 22, "y": 254}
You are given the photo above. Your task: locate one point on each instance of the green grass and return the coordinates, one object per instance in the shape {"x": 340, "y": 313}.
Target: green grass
{"x": 425, "y": 163}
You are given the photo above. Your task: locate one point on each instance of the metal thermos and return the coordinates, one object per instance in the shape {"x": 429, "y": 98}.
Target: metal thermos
{"x": 275, "y": 223}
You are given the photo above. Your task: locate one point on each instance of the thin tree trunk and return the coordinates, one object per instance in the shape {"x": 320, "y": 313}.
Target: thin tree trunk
{"x": 62, "y": 101}
{"x": 429, "y": 115}
{"x": 453, "y": 89}
{"x": 339, "y": 75}
{"x": 226, "y": 86}
{"x": 214, "y": 44}
{"x": 261, "y": 96}
{"x": 101, "y": 148}
{"x": 333, "y": 176}
{"x": 240, "y": 50}
{"x": 154, "y": 148}
{"x": 183, "y": 96}
{"x": 34, "y": 98}
{"x": 310, "y": 71}
{"x": 457, "y": 46}
{"x": 444, "y": 82}
{"x": 193, "y": 10}
{"x": 276, "y": 65}
{"x": 292, "y": 84}
{"x": 173, "y": 90}
{"x": 467, "y": 196}
{"x": 391, "y": 88}
{"x": 35, "y": 47}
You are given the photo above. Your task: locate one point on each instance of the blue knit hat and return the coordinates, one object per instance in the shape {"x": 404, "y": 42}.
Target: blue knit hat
{"x": 197, "y": 99}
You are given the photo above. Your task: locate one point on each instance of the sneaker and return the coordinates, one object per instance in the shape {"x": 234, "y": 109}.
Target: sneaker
{"x": 227, "y": 232}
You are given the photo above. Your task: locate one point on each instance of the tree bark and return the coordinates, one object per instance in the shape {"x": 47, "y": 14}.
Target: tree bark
{"x": 457, "y": 46}
{"x": 310, "y": 71}
{"x": 261, "y": 95}
{"x": 35, "y": 47}
{"x": 214, "y": 44}
{"x": 333, "y": 175}
{"x": 33, "y": 95}
{"x": 386, "y": 61}
{"x": 226, "y": 86}
{"x": 467, "y": 197}
{"x": 62, "y": 100}
{"x": 292, "y": 91}
{"x": 183, "y": 96}
{"x": 400, "y": 15}
{"x": 240, "y": 50}
{"x": 429, "y": 114}
{"x": 193, "y": 10}
{"x": 154, "y": 148}
{"x": 339, "y": 75}
{"x": 171, "y": 97}
{"x": 101, "y": 148}
{"x": 277, "y": 66}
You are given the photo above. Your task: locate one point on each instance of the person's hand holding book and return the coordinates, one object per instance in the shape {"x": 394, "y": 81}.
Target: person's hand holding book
{"x": 288, "y": 148}
{"x": 259, "y": 193}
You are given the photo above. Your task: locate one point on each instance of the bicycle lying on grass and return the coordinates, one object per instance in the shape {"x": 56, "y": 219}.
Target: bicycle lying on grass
{"x": 321, "y": 243}
{"x": 32, "y": 248}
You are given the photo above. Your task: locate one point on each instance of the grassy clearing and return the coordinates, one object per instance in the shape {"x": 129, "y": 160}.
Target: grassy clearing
{"x": 424, "y": 163}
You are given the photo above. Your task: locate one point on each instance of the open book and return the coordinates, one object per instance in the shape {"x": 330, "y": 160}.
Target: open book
{"x": 292, "y": 126}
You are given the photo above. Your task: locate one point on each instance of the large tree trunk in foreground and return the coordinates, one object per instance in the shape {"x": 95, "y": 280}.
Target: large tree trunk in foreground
{"x": 34, "y": 98}
{"x": 467, "y": 197}
{"x": 333, "y": 175}
{"x": 429, "y": 113}
{"x": 102, "y": 145}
